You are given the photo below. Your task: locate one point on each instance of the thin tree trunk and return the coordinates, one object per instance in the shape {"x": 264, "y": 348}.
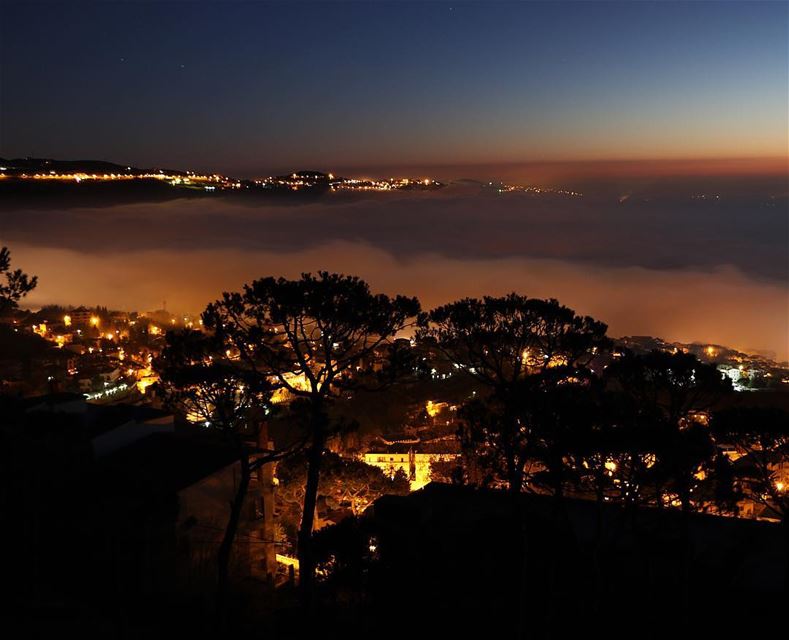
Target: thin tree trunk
{"x": 305, "y": 552}
{"x": 520, "y": 557}
{"x": 226, "y": 547}
{"x": 521, "y": 560}
{"x": 599, "y": 503}
{"x": 265, "y": 479}
{"x": 597, "y": 551}
{"x": 686, "y": 554}
{"x": 785, "y": 523}
{"x": 516, "y": 480}
{"x": 558, "y": 543}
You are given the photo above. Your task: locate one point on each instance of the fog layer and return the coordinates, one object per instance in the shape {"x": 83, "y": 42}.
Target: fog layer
{"x": 707, "y": 269}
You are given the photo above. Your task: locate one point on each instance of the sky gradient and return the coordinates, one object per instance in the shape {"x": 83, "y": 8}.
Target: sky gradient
{"x": 253, "y": 87}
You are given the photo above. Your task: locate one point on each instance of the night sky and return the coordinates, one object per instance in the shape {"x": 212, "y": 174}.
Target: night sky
{"x": 255, "y": 87}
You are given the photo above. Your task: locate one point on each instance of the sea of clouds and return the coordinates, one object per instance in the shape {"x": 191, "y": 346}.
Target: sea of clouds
{"x": 710, "y": 270}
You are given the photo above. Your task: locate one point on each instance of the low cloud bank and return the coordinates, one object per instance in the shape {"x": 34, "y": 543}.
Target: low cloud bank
{"x": 666, "y": 264}
{"x": 666, "y": 232}
{"x": 721, "y": 306}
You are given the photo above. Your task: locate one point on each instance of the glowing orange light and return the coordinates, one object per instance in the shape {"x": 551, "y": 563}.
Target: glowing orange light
{"x": 433, "y": 408}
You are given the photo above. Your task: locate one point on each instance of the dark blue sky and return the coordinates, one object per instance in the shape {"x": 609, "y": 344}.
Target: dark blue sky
{"x": 250, "y": 87}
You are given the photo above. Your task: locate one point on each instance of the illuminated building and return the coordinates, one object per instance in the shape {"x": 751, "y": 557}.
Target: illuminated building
{"x": 80, "y": 316}
{"x": 415, "y": 466}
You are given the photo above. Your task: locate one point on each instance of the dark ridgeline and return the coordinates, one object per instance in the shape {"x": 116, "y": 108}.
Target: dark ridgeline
{"x": 44, "y": 182}
{"x": 440, "y": 563}
{"x": 590, "y": 494}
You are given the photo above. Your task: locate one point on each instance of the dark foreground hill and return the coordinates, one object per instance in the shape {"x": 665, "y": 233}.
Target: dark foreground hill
{"x": 458, "y": 562}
